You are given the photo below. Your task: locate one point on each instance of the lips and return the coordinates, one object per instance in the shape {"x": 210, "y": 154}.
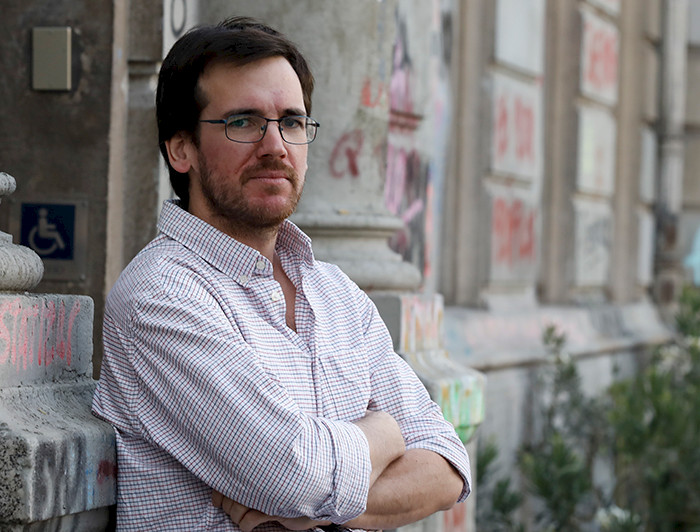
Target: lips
{"x": 269, "y": 171}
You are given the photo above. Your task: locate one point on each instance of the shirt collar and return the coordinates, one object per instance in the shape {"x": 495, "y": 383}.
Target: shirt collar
{"x": 224, "y": 252}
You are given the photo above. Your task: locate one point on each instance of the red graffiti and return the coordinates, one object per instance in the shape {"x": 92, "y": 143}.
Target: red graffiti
{"x": 513, "y": 232}
{"x": 36, "y": 333}
{"x": 455, "y": 519}
{"x": 344, "y": 158}
{"x": 514, "y": 132}
{"x": 501, "y": 127}
{"x": 524, "y": 130}
{"x": 106, "y": 471}
{"x": 368, "y": 100}
{"x": 601, "y": 53}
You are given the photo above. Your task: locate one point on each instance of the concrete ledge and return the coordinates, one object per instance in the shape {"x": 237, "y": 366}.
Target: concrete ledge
{"x": 56, "y": 459}
{"x": 491, "y": 340}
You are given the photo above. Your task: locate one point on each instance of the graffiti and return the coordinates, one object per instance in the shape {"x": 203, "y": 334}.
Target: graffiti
{"x": 516, "y": 146}
{"x": 36, "y": 334}
{"x": 593, "y": 230}
{"x": 455, "y": 519}
{"x": 600, "y": 58}
{"x": 372, "y": 97}
{"x": 405, "y": 190}
{"x": 692, "y": 260}
{"x": 512, "y": 233}
{"x": 523, "y": 130}
{"x": 400, "y": 86}
{"x": 178, "y": 16}
{"x": 345, "y": 154}
{"x": 106, "y": 471}
{"x": 447, "y": 34}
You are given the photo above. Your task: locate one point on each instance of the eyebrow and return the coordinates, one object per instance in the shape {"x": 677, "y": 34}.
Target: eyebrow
{"x": 292, "y": 111}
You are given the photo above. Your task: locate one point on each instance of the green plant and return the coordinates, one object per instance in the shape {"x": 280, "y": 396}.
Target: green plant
{"x": 497, "y": 515}
{"x": 648, "y": 426}
{"x": 656, "y": 419}
{"x": 558, "y": 462}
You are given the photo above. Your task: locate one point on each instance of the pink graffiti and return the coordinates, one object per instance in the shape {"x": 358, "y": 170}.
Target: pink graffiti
{"x": 513, "y": 232}
{"x": 344, "y": 158}
{"x": 455, "y": 519}
{"x": 36, "y": 333}
{"x": 524, "y": 130}
{"x": 402, "y": 170}
{"x": 601, "y": 51}
{"x": 501, "y": 127}
{"x": 514, "y": 130}
{"x": 400, "y": 95}
{"x": 106, "y": 471}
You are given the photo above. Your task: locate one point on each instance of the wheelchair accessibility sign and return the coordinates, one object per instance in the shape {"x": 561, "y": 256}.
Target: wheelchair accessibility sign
{"x": 49, "y": 230}
{"x": 57, "y": 231}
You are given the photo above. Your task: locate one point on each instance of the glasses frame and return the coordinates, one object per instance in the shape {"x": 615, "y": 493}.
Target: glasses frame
{"x": 225, "y": 121}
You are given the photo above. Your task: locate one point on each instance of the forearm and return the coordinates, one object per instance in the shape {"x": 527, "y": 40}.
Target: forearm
{"x": 385, "y": 441}
{"x": 414, "y": 486}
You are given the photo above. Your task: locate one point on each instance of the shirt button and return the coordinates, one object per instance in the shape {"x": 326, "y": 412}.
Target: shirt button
{"x": 260, "y": 265}
{"x": 243, "y": 279}
{"x": 276, "y": 296}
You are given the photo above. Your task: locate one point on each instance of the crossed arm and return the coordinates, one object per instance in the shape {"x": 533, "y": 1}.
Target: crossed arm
{"x": 405, "y": 485}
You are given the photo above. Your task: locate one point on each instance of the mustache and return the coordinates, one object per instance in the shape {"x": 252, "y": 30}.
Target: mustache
{"x": 274, "y": 165}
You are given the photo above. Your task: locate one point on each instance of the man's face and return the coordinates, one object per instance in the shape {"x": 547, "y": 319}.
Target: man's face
{"x": 248, "y": 186}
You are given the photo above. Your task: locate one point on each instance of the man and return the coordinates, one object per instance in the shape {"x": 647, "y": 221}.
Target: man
{"x": 249, "y": 384}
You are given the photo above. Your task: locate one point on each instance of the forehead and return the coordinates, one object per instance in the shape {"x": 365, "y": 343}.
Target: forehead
{"x": 264, "y": 85}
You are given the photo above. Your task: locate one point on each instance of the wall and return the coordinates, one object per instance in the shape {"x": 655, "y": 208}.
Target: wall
{"x": 56, "y": 143}
{"x": 690, "y": 220}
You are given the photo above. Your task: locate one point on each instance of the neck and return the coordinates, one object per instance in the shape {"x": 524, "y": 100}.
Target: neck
{"x": 261, "y": 239}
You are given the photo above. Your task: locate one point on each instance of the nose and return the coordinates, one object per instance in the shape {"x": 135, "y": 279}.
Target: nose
{"x": 272, "y": 144}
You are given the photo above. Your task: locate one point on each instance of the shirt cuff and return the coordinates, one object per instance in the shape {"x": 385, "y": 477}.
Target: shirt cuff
{"x": 352, "y": 472}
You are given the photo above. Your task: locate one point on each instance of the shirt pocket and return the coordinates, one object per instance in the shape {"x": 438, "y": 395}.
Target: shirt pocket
{"x": 345, "y": 378}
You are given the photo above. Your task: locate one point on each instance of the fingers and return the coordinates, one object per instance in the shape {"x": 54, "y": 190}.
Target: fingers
{"x": 246, "y": 518}
{"x": 216, "y": 498}
{"x": 253, "y": 518}
{"x": 235, "y": 510}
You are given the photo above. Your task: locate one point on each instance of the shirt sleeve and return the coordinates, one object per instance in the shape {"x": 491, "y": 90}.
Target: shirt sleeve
{"x": 396, "y": 389}
{"x": 197, "y": 391}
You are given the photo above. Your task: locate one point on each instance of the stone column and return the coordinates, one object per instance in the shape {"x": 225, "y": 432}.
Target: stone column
{"x": 670, "y": 275}
{"x": 349, "y": 47}
{"x": 57, "y": 462}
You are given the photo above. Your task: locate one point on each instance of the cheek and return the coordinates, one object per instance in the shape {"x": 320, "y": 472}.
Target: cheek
{"x": 300, "y": 161}
{"x": 225, "y": 158}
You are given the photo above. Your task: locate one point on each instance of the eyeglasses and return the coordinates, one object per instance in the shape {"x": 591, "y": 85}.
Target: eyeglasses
{"x": 248, "y": 128}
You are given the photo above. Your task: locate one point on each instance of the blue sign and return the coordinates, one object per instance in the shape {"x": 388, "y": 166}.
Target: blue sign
{"x": 49, "y": 229}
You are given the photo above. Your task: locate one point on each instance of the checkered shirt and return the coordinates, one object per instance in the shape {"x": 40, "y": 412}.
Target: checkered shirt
{"x": 207, "y": 387}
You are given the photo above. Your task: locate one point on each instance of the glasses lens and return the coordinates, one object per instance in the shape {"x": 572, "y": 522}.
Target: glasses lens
{"x": 298, "y": 129}
{"x": 245, "y": 128}
{"x": 251, "y": 128}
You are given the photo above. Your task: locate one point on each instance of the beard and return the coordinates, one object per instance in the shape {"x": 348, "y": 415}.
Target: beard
{"x": 231, "y": 203}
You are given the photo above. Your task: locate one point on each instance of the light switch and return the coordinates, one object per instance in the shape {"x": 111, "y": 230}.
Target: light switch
{"x": 51, "y": 59}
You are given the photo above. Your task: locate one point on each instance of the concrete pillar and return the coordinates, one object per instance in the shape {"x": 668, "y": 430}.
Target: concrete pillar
{"x": 135, "y": 192}
{"x": 349, "y": 46}
{"x": 670, "y": 275}
{"x": 416, "y": 323}
{"x": 57, "y": 462}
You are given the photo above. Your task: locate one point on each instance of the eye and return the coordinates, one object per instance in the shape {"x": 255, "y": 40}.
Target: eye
{"x": 243, "y": 122}
{"x": 293, "y": 122}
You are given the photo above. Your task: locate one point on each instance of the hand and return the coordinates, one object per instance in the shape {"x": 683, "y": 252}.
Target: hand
{"x": 247, "y": 518}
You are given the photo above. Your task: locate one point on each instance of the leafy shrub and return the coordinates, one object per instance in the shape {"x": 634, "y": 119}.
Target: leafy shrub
{"x": 648, "y": 426}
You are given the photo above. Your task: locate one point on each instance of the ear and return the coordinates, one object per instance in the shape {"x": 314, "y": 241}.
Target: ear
{"x": 181, "y": 152}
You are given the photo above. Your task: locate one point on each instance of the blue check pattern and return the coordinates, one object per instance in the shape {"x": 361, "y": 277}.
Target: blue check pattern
{"x": 207, "y": 387}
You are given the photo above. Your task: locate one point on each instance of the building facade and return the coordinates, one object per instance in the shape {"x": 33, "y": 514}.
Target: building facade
{"x": 484, "y": 168}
